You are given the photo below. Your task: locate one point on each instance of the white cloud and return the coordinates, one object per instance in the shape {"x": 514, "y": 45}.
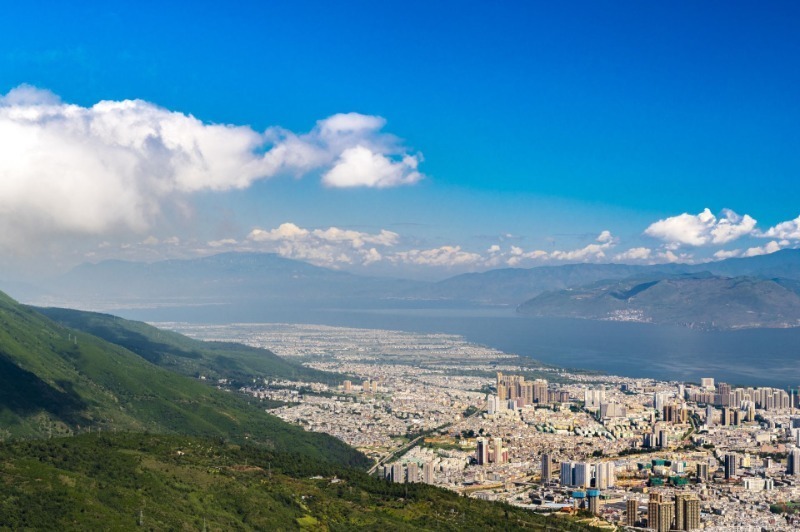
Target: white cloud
{"x": 634, "y": 254}
{"x": 225, "y": 242}
{"x": 605, "y": 236}
{"x": 591, "y": 252}
{"x": 727, "y": 254}
{"x": 285, "y": 231}
{"x": 447, "y": 256}
{"x": 789, "y": 230}
{"x": 766, "y": 249}
{"x": 361, "y": 167}
{"x": 324, "y": 247}
{"x": 596, "y": 251}
{"x": 702, "y": 229}
{"x": 115, "y": 166}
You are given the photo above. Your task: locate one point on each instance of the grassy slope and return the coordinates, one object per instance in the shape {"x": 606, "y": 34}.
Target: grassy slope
{"x": 112, "y": 481}
{"x": 185, "y": 355}
{"x": 54, "y": 380}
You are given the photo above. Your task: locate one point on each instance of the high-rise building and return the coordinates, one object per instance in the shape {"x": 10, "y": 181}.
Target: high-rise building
{"x": 497, "y": 444}
{"x": 567, "y": 474}
{"x": 482, "y": 451}
{"x": 723, "y": 394}
{"x": 365, "y": 386}
{"x": 632, "y": 507}
{"x": 583, "y": 474}
{"x": 666, "y": 516}
{"x": 709, "y": 415}
{"x": 653, "y": 506}
{"x": 397, "y": 473}
{"x": 605, "y": 476}
{"x": 679, "y": 509}
{"x": 793, "y": 463}
{"x": 593, "y": 498}
{"x": 412, "y": 472}
{"x": 663, "y": 438}
{"x": 593, "y": 398}
{"x": 702, "y": 472}
{"x": 691, "y": 513}
{"x": 707, "y": 383}
{"x": 348, "y": 386}
{"x": 547, "y": 468}
{"x": 730, "y": 466}
{"x": 659, "y": 400}
{"x": 427, "y": 473}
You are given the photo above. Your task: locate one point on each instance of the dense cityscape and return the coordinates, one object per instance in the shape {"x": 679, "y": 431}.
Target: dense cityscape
{"x": 619, "y": 451}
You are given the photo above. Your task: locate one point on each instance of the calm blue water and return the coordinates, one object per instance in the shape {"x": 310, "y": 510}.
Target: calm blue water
{"x": 762, "y": 357}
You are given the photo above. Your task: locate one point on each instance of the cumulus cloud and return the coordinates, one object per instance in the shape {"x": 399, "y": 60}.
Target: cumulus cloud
{"x": 113, "y": 167}
{"x": 635, "y": 254}
{"x": 447, "y": 256}
{"x": 789, "y": 230}
{"x": 766, "y": 249}
{"x": 592, "y": 252}
{"x": 727, "y": 254}
{"x": 360, "y": 167}
{"x": 702, "y": 229}
{"x": 325, "y": 247}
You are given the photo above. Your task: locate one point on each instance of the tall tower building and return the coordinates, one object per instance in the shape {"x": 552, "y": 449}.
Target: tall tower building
{"x": 730, "y": 466}
{"x": 653, "y": 507}
{"x": 540, "y": 391}
{"x": 793, "y": 464}
{"x": 547, "y": 467}
{"x": 691, "y": 513}
{"x": 567, "y": 473}
{"x": 702, "y": 472}
{"x": 583, "y": 474}
{"x": 605, "y": 475}
{"x": 482, "y": 451}
{"x": 593, "y": 498}
{"x": 679, "y": 509}
{"x": 427, "y": 473}
{"x": 666, "y": 513}
{"x": 497, "y": 443}
{"x": 632, "y": 507}
{"x": 397, "y": 473}
{"x": 412, "y": 472}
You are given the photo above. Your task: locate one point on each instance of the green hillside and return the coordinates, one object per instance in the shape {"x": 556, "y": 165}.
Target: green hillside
{"x": 184, "y": 355}
{"x": 58, "y": 381}
{"x": 126, "y": 481}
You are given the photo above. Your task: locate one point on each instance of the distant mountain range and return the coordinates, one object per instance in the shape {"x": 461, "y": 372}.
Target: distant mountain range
{"x": 271, "y": 280}
{"x": 700, "y": 301}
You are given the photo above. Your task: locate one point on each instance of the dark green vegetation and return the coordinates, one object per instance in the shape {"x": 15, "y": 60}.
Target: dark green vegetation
{"x": 173, "y": 351}
{"x": 121, "y": 481}
{"x": 155, "y": 448}
{"x": 701, "y": 301}
{"x": 58, "y": 381}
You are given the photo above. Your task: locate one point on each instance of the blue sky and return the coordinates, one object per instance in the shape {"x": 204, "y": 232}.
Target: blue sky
{"x": 537, "y": 125}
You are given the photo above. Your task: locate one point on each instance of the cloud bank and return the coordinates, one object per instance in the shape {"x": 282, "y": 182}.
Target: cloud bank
{"x": 116, "y": 166}
{"x": 702, "y": 229}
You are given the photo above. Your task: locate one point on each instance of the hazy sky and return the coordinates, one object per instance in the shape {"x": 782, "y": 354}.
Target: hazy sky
{"x": 406, "y": 138}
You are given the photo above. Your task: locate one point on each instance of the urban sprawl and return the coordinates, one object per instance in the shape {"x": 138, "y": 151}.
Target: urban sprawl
{"x": 618, "y": 452}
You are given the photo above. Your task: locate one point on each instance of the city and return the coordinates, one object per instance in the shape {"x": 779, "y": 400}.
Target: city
{"x": 623, "y": 452}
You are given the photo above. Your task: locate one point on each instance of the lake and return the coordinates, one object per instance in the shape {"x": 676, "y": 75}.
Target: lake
{"x": 753, "y": 357}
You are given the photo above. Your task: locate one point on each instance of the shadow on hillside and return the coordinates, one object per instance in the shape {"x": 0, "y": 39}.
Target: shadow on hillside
{"x": 24, "y": 393}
